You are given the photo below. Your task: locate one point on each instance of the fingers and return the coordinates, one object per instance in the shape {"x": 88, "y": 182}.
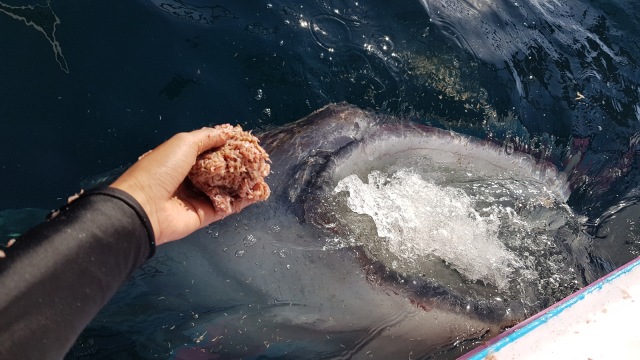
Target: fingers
{"x": 240, "y": 204}
{"x": 182, "y": 149}
{"x": 177, "y": 155}
{"x": 207, "y": 138}
{"x": 170, "y": 162}
{"x": 204, "y": 208}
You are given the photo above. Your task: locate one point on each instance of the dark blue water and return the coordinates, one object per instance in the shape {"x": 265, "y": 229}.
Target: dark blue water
{"x": 89, "y": 86}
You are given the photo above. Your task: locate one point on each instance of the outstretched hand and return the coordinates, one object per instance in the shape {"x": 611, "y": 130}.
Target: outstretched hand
{"x": 157, "y": 182}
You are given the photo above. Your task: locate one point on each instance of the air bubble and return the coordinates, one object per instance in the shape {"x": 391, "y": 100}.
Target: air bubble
{"x": 385, "y": 44}
{"x": 249, "y": 240}
{"x": 509, "y": 148}
{"x": 284, "y": 253}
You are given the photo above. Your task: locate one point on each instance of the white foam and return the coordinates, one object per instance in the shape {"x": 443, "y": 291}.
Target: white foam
{"x": 421, "y": 219}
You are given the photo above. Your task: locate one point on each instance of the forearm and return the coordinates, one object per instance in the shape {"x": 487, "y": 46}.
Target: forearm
{"x": 57, "y": 276}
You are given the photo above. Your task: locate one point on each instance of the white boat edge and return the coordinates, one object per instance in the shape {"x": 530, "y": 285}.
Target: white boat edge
{"x": 596, "y": 322}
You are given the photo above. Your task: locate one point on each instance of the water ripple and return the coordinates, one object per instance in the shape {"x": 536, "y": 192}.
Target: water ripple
{"x": 330, "y": 32}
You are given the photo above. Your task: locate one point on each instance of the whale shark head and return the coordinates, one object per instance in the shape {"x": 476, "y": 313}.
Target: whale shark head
{"x": 434, "y": 211}
{"x": 381, "y": 236}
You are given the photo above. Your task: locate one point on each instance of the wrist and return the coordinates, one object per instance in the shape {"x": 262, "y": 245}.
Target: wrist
{"x": 135, "y": 190}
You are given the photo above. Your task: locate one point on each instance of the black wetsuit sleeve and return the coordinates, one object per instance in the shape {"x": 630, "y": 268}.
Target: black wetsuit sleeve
{"x": 58, "y": 275}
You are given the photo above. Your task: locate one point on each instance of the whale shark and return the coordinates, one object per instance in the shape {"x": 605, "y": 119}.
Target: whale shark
{"x": 382, "y": 238}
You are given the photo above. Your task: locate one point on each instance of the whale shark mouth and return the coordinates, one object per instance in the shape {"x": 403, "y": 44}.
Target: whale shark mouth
{"x": 433, "y": 210}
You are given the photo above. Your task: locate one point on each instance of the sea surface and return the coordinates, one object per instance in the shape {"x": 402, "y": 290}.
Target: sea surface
{"x": 88, "y": 86}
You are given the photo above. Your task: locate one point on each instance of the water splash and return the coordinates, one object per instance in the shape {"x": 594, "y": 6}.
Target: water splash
{"x": 420, "y": 219}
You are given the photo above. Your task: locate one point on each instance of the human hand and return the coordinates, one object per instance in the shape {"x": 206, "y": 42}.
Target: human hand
{"x": 157, "y": 182}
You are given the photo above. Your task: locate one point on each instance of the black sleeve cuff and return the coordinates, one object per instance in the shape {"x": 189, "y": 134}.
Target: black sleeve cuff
{"x": 131, "y": 202}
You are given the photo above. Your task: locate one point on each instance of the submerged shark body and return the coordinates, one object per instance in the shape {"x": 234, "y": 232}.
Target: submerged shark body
{"x": 480, "y": 239}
